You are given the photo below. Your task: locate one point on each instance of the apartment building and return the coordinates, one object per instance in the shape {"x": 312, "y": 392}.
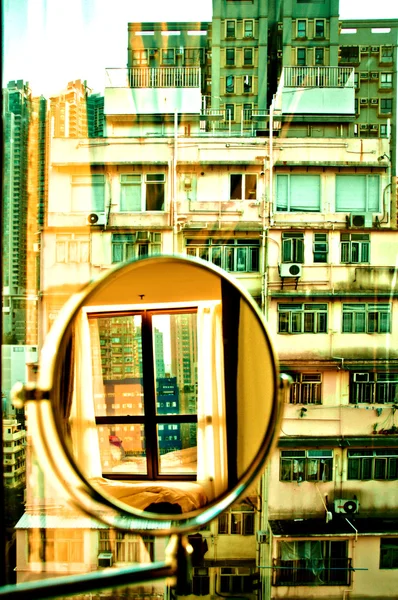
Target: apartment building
{"x": 243, "y": 142}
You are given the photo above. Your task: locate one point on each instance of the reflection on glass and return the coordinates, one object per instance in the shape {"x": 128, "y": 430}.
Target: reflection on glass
{"x": 177, "y": 447}
{"x": 122, "y": 449}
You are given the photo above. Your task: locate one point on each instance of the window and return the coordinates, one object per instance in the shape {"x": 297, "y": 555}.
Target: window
{"x": 126, "y": 246}
{"x": 306, "y": 388}
{"x": 230, "y": 112}
{"x": 230, "y": 57}
{"x": 320, "y": 247}
{"x": 200, "y": 581}
{"x": 88, "y": 193}
{"x": 389, "y": 553}
{"x": 373, "y": 388}
{"x": 377, "y": 463}
{"x": 298, "y": 193}
{"x": 320, "y": 562}
{"x": 137, "y": 195}
{"x": 243, "y": 186}
{"x": 132, "y": 441}
{"x": 235, "y": 580}
{"x": 247, "y": 84}
{"x": 248, "y": 57}
{"x": 366, "y": 318}
{"x": 293, "y": 247}
{"x": 383, "y": 130}
{"x": 301, "y": 58}
{"x": 72, "y": 248}
{"x": 193, "y": 57}
{"x": 56, "y": 545}
{"x": 301, "y": 28}
{"x": 386, "y": 80}
{"x": 248, "y": 28}
{"x": 386, "y": 54}
{"x": 354, "y": 248}
{"x": 306, "y": 465}
{"x": 168, "y": 57}
{"x": 236, "y": 523}
{"x": 125, "y": 547}
{"x": 385, "y": 106}
{"x": 319, "y": 28}
{"x": 229, "y": 84}
{"x": 140, "y": 58}
{"x": 230, "y": 29}
{"x": 247, "y": 112}
{"x": 349, "y": 55}
{"x": 319, "y": 56}
{"x": 302, "y": 318}
{"x": 357, "y": 193}
{"x": 240, "y": 256}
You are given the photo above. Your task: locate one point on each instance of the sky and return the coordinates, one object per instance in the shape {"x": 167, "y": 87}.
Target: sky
{"x": 50, "y": 42}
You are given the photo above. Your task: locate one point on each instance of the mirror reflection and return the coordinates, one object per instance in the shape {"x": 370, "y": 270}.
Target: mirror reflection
{"x": 157, "y": 369}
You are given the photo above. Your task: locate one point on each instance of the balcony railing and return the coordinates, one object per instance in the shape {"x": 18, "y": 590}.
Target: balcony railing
{"x": 162, "y": 77}
{"x": 309, "y": 77}
{"x": 326, "y": 571}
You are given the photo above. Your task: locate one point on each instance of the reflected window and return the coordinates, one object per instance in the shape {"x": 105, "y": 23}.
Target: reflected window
{"x": 145, "y": 392}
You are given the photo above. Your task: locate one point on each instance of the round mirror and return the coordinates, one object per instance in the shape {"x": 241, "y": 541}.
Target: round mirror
{"x": 162, "y": 388}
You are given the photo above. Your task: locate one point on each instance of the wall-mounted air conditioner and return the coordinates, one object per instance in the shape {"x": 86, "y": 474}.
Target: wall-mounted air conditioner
{"x": 374, "y": 75}
{"x": 375, "y": 49}
{"x": 364, "y": 49}
{"x": 363, "y": 101}
{"x": 290, "y": 270}
{"x": 364, "y": 75}
{"x": 262, "y": 537}
{"x": 374, "y": 128}
{"x": 374, "y": 101}
{"x": 105, "y": 559}
{"x": 345, "y": 506}
{"x": 361, "y": 220}
{"x": 96, "y": 219}
{"x": 179, "y": 51}
{"x": 152, "y": 52}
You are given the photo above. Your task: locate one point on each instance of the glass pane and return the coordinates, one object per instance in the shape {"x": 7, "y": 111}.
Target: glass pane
{"x": 236, "y": 187}
{"x": 175, "y": 357}
{"x": 155, "y": 196}
{"x": 360, "y": 323}
{"x": 116, "y": 350}
{"x": 130, "y": 198}
{"x": 296, "y": 322}
{"x": 250, "y": 187}
{"x": 122, "y": 448}
{"x": 177, "y": 447}
{"x": 309, "y": 320}
{"x": 241, "y": 254}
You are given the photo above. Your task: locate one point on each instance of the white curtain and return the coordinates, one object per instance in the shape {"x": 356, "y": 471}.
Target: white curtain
{"x": 82, "y": 418}
{"x": 212, "y": 444}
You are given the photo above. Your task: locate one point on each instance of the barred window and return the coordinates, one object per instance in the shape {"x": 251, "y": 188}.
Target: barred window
{"x": 373, "y": 388}
{"x": 306, "y": 388}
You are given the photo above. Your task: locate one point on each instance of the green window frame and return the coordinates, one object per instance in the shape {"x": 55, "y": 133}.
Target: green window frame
{"x": 302, "y": 318}
{"x": 366, "y": 318}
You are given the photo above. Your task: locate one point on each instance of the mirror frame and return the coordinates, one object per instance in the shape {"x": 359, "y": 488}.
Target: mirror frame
{"x": 55, "y": 455}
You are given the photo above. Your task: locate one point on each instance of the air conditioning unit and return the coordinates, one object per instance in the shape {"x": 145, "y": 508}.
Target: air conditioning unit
{"x": 374, "y": 75}
{"x": 361, "y": 220}
{"x": 374, "y": 49}
{"x": 363, "y": 101}
{"x": 374, "y": 101}
{"x": 262, "y": 537}
{"x": 179, "y": 51}
{"x": 152, "y": 52}
{"x": 143, "y": 236}
{"x": 361, "y": 377}
{"x": 363, "y": 126}
{"x": 374, "y": 128}
{"x": 345, "y": 506}
{"x": 364, "y": 75}
{"x": 96, "y": 219}
{"x": 290, "y": 270}
{"x": 105, "y": 559}
{"x": 364, "y": 49}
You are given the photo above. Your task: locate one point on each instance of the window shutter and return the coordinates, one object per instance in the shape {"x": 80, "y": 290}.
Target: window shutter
{"x": 350, "y": 193}
{"x": 305, "y": 193}
{"x": 282, "y": 188}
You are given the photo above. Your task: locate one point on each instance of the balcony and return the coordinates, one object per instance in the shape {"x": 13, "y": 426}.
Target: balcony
{"x": 316, "y": 90}
{"x": 149, "y": 91}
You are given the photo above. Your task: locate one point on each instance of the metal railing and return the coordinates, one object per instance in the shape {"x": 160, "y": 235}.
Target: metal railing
{"x": 329, "y": 77}
{"x": 146, "y": 77}
{"x": 325, "y": 571}
{"x": 305, "y": 393}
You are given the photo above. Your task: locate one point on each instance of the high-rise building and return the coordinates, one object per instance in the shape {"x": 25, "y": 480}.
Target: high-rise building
{"x": 265, "y": 143}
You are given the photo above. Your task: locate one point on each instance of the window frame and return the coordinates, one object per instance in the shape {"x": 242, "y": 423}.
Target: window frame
{"x": 301, "y": 56}
{"x": 230, "y": 84}
{"x": 386, "y": 80}
{"x": 247, "y": 84}
{"x": 139, "y": 58}
{"x": 248, "y": 62}
{"x": 301, "y": 29}
{"x": 248, "y": 33}
{"x": 168, "y": 57}
{"x": 291, "y": 180}
{"x": 355, "y": 248}
{"x": 372, "y": 387}
{"x": 361, "y": 320}
{"x": 228, "y": 61}
{"x": 292, "y": 247}
{"x": 146, "y": 182}
{"x": 230, "y": 24}
{"x": 222, "y": 252}
{"x": 229, "y": 112}
{"x": 64, "y": 242}
{"x": 306, "y": 388}
{"x": 129, "y": 246}
{"x": 302, "y": 318}
{"x": 289, "y": 464}
{"x": 151, "y": 418}
{"x": 323, "y": 34}
{"x": 319, "y": 61}
{"x": 362, "y": 464}
{"x": 245, "y": 186}
{"x": 236, "y": 522}
{"x": 390, "y": 543}
{"x": 320, "y": 255}
{"x": 385, "y": 106}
